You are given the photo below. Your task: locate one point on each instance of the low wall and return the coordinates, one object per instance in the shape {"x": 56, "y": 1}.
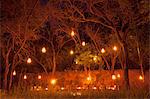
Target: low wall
{"x": 78, "y": 78}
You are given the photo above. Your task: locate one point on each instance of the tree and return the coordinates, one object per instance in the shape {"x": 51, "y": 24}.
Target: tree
{"x": 19, "y": 21}
{"x": 111, "y": 16}
{"x": 86, "y": 56}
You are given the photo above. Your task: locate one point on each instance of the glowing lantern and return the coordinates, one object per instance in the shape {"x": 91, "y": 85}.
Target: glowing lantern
{"x": 29, "y": 60}
{"x": 39, "y": 77}
{"x": 113, "y": 77}
{"x": 140, "y": 77}
{"x": 102, "y": 50}
{"x": 62, "y": 88}
{"x": 89, "y": 78}
{"x": 78, "y": 87}
{"x": 43, "y": 50}
{"x": 94, "y": 88}
{"x": 83, "y": 43}
{"x": 14, "y": 73}
{"x": 95, "y": 58}
{"x": 71, "y": 52}
{"x": 25, "y": 77}
{"x": 118, "y": 75}
{"x": 76, "y": 62}
{"x": 46, "y": 89}
{"x": 53, "y": 81}
{"x": 115, "y": 48}
{"x": 72, "y": 33}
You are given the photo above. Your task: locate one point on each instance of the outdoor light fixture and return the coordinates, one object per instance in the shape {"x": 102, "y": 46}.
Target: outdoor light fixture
{"x": 115, "y": 48}
{"x": 140, "y": 77}
{"x": 43, "y": 50}
{"x": 46, "y": 89}
{"x": 113, "y": 77}
{"x": 94, "y": 88}
{"x": 71, "y": 52}
{"x": 118, "y": 75}
{"x": 89, "y": 78}
{"x": 76, "y": 62}
{"x": 72, "y": 33}
{"x": 102, "y": 50}
{"x": 39, "y": 77}
{"x": 14, "y": 73}
{"x": 83, "y": 43}
{"x": 78, "y": 87}
{"x": 25, "y": 77}
{"x": 29, "y": 60}
{"x": 95, "y": 58}
{"x": 62, "y": 88}
{"x": 53, "y": 81}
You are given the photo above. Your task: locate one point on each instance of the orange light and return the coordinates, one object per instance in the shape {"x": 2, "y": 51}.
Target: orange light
{"x": 39, "y": 76}
{"x": 95, "y": 58}
{"x": 46, "y": 89}
{"x": 113, "y": 77}
{"x": 71, "y": 52}
{"x": 115, "y": 48}
{"x": 53, "y": 81}
{"x": 72, "y": 33}
{"x": 29, "y": 60}
{"x": 43, "y": 50}
{"x": 78, "y": 87}
{"x": 83, "y": 43}
{"x": 140, "y": 77}
{"x": 89, "y": 78}
{"x": 102, "y": 50}
{"x": 14, "y": 73}
{"x": 25, "y": 77}
{"x": 118, "y": 75}
{"x": 76, "y": 62}
{"x": 94, "y": 88}
{"x": 62, "y": 88}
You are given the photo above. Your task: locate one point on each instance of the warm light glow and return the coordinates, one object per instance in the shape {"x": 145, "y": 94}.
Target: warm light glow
{"x": 94, "y": 88}
{"x": 89, "y": 78}
{"x": 95, "y": 58}
{"x": 78, "y": 87}
{"x": 118, "y": 75}
{"x": 71, "y": 52}
{"x": 72, "y": 33}
{"x": 29, "y": 60}
{"x": 37, "y": 89}
{"x": 115, "y": 48}
{"x": 43, "y": 50}
{"x": 76, "y": 62}
{"x": 34, "y": 87}
{"x": 62, "y": 88}
{"x": 14, "y": 73}
{"x": 83, "y": 43}
{"x": 46, "y": 89}
{"x": 113, "y": 77}
{"x": 102, "y": 50}
{"x": 140, "y": 77}
{"x": 53, "y": 81}
{"x": 25, "y": 77}
{"x": 39, "y": 77}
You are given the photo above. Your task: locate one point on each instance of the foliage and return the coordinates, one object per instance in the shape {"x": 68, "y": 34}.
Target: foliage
{"x": 86, "y": 55}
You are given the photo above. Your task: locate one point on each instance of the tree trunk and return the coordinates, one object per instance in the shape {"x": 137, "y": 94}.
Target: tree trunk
{"x": 5, "y": 77}
{"x": 126, "y": 65}
{"x": 10, "y": 81}
{"x": 54, "y": 66}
